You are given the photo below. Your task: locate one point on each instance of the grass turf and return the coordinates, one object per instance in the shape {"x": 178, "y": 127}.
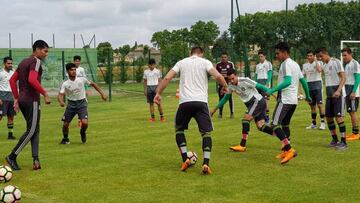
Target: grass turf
{"x": 128, "y": 159}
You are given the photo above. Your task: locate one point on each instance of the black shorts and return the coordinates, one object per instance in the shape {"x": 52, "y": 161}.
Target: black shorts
{"x": 283, "y": 113}
{"x": 334, "y": 107}
{"x": 352, "y": 105}
{"x": 7, "y": 109}
{"x": 256, "y": 109}
{"x": 71, "y": 110}
{"x": 194, "y": 109}
{"x": 316, "y": 97}
{"x": 151, "y": 92}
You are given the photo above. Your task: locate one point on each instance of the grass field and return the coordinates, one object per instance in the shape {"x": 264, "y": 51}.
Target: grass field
{"x": 128, "y": 159}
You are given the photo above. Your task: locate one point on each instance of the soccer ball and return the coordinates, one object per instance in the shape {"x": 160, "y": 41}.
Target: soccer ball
{"x": 10, "y": 194}
{"x": 301, "y": 97}
{"x": 5, "y": 174}
{"x": 193, "y": 157}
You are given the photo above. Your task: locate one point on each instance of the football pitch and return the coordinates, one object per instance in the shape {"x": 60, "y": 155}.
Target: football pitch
{"x": 128, "y": 159}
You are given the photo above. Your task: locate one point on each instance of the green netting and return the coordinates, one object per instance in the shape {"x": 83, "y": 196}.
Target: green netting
{"x": 53, "y": 68}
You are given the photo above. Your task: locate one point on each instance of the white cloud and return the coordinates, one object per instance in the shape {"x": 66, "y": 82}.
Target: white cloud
{"x": 117, "y": 21}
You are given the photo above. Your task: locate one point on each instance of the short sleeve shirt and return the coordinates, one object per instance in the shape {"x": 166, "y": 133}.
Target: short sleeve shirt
{"x": 74, "y": 90}
{"x": 351, "y": 68}
{"x": 246, "y": 89}
{"x": 224, "y": 67}
{"x": 152, "y": 76}
{"x": 5, "y": 90}
{"x": 262, "y": 70}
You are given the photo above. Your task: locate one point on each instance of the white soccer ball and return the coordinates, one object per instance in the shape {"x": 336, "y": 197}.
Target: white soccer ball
{"x": 193, "y": 157}
{"x": 301, "y": 97}
{"x": 5, "y": 173}
{"x": 10, "y": 194}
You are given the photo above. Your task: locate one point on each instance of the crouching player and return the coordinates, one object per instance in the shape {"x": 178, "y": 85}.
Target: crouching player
{"x": 256, "y": 109}
{"x": 74, "y": 89}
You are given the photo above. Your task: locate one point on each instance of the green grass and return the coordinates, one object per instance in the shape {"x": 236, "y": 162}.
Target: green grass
{"x": 128, "y": 159}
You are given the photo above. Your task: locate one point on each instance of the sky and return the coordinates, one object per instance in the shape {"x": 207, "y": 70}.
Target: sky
{"x": 117, "y": 21}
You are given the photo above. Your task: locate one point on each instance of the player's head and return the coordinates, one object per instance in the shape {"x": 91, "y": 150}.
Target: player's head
{"x": 152, "y": 64}
{"x": 77, "y": 60}
{"x": 8, "y": 63}
{"x": 323, "y": 54}
{"x": 282, "y": 51}
{"x": 197, "y": 51}
{"x": 310, "y": 55}
{"x": 224, "y": 57}
{"x": 40, "y": 49}
{"x": 232, "y": 76}
{"x": 71, "y": 69}
{"x": 262, "y": 56}
{"x": 346, "y": 54}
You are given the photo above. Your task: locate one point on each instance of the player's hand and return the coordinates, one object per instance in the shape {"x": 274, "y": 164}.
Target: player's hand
{"x": 336, "y": 94}
{"x": 157, "y": 99}
{"x": 308, "y": 99}
{"x": 145, "y": 93}
{"x": 352, "y": 96}
{"x": 16, "y": 106}
{"x": 213, "y": 112}
{"x": 62, "y": 104}
{"x": 103, "y": 97}
{"x": 269, "y": 92}
{"x": 47, "y": 99}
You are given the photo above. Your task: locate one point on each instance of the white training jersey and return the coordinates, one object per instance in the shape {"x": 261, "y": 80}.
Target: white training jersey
{"x": 310, "y": 71}
{"x": 246, "y": 89}
{"x": 352, "y": 68}
{"x": 80, "y": 72}
{"x": 262, "y": 70}
{"x": 4, "y": 80}
{"x": 74, "y": 89}
{"x": 193, "y": 78}
{"x": 289, "y": 67}
{"x": 331, "y": 70}
{"x": 152, "y": 76}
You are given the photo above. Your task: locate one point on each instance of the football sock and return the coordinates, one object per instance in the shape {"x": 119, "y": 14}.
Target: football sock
{"x": 286, "y": 130}
{"x": 181, "y": 143}
{"x": 282, "y": 137}
{"x": 355, "y": 129}
{"x": 342, "y": 129}
{"x": 206, "y": 146}
{"x": 10, "y": 127}
{"x": 65, "y": 131}
{"x": 267, "y": 129}
{"x": 322, "y": 117}
{"x": 245, "y": 131}
{"x": 152, "y": 115}
{"x": 332, "y": 128}
{"x": 313, "y": 117}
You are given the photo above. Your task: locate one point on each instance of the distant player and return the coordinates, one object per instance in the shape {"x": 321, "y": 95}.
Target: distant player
{"x": 223, "y": 67}
{"x": 335, "y": 79}
{"x": 312, "y": 70}
{"x": 152, "y": 77}
{"x": 193, "y": 101}
{"x": 352, "y": 70}
{"x": 74, "y": 90}
{"x": 6, "y": 96}
{"x": 287, "y": 88}
{"x": 28, "y": 74}
{"x": 263, "y": 75}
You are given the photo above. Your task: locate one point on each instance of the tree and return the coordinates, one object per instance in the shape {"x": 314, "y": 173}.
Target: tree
{"x": 203, "y": 34}
{"x": 222, "y": 44}
{"x": 124, "y": 51}
{"x": 103, "y": 49}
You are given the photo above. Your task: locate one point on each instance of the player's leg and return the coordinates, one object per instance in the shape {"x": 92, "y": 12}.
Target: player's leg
{"x": 245, "y": 132}
{"x": 161, "y": 112}
{"x": 10, "y": 126}
{"x": 267, "y": 112}
{"x": 339, "y": 108}
{"x": 319, "y": 103}
{"x": 285, "y": 123}
{"x": 352, "y": 106}
{"x": 329, "y": 114}
{"x": 67, "y": 118}
{"x": 150, "y": 100}
{"x": 35, "y": 143}
{"x": 30, "y": 113}
{"x": 231, "y": 105}
{"x": 279, "y": 114}
{"x": 313, "y": 110}
{"x": 83, "y": 116}
{"x": 260, "y": 118}
{"x": 202, "y": 117}
{"x": 182, "y": 119}
{"x": 219, "y": 88}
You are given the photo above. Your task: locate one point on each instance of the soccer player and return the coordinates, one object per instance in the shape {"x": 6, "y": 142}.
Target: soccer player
{"x": 352, "y": 70}
{"x": 6, "y": 96}
{"x": 193, "y": 101}
{"x": 312, "y": 69}
{"x": 152, "y": 77}
{"x": 263, "y": 75}
{"x": 27, "y": 99}
{"x": 223, "y": 67}
{"x": 287, "y": 88}
{"x": 335, "y": 79}
{"x": 80, "y": 71}
{"x": 74, "y": 89}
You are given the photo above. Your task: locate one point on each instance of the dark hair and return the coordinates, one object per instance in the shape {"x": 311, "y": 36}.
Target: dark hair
{"x": 77, "y": 57}
{"x": 197, "y": 50}
{"x": 310, "y": 52}
{"x": 224, "y": 53}
{"x": 347, "y": 50}
{"x": 262, "y": 52}
{"x": 70, "y": 66}
{"x": 7, "y": 58}
{"x": 283, "y": 46}
{"x": 41, "y": 44}
{"x": 322, "y": 50}
{"x": 230, "y": 72}
{"x": 152, "y": 62}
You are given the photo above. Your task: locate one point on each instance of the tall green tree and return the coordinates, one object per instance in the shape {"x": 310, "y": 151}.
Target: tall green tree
{"x": 103, "y": 49}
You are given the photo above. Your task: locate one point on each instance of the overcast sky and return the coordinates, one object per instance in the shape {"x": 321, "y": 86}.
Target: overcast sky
{"x": 117, "y": 21}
